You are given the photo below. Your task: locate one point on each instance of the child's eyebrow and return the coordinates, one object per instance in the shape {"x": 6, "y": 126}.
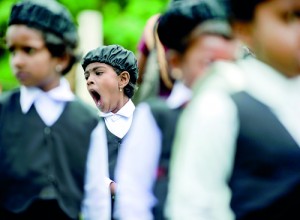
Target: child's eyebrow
{"x": 94, "y": 69}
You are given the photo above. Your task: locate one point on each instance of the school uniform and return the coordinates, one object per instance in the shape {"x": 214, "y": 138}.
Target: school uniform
{"x": 53, "y": 156}
{"x": 117, "y": 126}
{"x": 141, "y": 157}
{"x": 241, "y": 152}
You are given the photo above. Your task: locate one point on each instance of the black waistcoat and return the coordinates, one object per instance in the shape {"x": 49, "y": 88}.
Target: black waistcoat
{"x": 266, "y": 176}
{"x": 37, "y": 161}
{"x": 166, "y": 120}
{"x": 113, "y": 143}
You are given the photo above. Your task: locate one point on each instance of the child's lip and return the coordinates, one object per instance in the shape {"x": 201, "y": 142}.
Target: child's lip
{"x": 21, "y": 75}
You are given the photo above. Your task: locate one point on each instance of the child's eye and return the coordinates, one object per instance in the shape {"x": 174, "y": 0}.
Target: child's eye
{"x": 29, "y": 50}
{"x": 98, "y": 73}
{"x": 86, "y": 76}
{"x": 11, "y": 50}
{"x": 297, "y": 14}
{"x": 292, "y": 16}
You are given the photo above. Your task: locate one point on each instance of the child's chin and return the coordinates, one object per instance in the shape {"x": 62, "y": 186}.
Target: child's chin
{"x": 102, "y": 109}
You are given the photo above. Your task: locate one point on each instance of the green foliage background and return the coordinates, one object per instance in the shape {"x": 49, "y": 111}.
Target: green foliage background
{"x": 123, "y": 23}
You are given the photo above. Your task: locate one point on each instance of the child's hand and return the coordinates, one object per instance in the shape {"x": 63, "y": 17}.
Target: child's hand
{"x": 112, "y": 188}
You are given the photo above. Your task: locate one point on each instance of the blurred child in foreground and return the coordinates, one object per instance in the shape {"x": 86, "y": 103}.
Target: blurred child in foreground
{"x": 142, "y": 172}
{"x": 239, "y": 150}
{"x": 53, "y": 155}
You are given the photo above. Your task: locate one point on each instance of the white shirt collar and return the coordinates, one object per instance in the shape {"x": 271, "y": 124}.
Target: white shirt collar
{"x": 120, "y": 122}
{"x": 180, "y": 95}
{"x": 126, "y": 111}
{"x": 268, "y": 85}
{"x": 30, "y": 94}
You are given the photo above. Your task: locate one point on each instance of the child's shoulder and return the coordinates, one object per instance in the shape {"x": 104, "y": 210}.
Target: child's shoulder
{"x": 83, "y": 107}
{"x": 9, "y": 96}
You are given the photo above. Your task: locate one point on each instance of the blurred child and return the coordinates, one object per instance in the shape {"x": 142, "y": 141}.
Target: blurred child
{"x": 154, "y": 78}
{"x": 142, "y": 171}
{"x": 237, "y": 155}
{"x": 53, "y": 155}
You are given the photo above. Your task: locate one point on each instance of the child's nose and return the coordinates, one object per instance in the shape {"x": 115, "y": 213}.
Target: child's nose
{"x": 17, "y": 59}
{"x": 90, "y": 80}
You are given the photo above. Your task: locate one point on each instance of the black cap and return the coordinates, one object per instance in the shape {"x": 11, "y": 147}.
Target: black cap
{"x": 45, "y": 15}
{"x": 178, "y": 21}
{"x": 115, "y": 56}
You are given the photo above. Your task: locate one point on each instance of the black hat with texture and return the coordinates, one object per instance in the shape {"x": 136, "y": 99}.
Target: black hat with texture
{"x": 178, "y": 21}
{"x": 45, "y": 15}
{"x": 113, "y": 55}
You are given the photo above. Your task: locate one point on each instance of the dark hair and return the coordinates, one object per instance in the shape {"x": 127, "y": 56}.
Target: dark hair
{"x": 243, "y": 10}
{"x": 130, "y": 88}
{"x": 58, "y": 48}
{"x": 177, "y": 22}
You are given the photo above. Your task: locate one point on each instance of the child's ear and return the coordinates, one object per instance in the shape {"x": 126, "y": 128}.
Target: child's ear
{"x": 244, "y": 32}
{"x": 124, "y": 78}
{"x": 173, "y": 58}
{"x": 64, "y": 61}
{"x": 174, "y": 62}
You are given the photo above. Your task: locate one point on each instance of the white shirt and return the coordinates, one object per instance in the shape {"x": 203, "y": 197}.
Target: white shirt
{"x": 50, "y": 105}
{"x": 120, "y": 122}
{"x": 138, "y": 160}
{"x": 206, "y": 136}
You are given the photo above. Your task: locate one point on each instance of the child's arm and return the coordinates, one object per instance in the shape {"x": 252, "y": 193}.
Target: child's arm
{"x": 96, "y": 203}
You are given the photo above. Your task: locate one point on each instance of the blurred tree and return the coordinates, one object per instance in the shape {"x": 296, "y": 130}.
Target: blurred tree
{"x": 124, "y": 21}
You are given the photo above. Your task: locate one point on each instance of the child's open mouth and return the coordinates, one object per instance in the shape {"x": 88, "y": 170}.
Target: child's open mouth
{"x": 97, "y": 98}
